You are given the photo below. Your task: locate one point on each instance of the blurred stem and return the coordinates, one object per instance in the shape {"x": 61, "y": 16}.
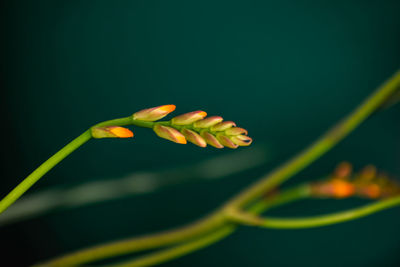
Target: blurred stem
{"x": 254, "y": 192}
{"x": 139, "y": 243}
{"x": 179, "y": 250}
{"x": 282, "y": 198}
{"x": 29, "y": 181}
{"x": 320, "y": 147}
{"x": 315, "y": 221}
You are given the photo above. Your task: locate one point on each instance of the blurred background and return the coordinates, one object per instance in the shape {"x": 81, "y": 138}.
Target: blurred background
{"x": 284, "y": 70}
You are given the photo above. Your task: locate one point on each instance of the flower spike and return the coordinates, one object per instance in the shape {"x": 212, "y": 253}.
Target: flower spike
{"x": 193, "y": 127}
{"x": 368, "y": 183}
{"x": 153, "y": 114}
{"x": 111, "y": 132}
{"x": 169, "y": 134}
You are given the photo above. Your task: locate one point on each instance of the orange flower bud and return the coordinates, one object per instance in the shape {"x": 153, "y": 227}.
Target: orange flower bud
{"x": 225, "y": 141}
{"x": 153, "y": 114}
{"x": 194, "y": 138}
{"x": 211, "y": 140}
{"x": 222, "y": 126}
{"x": 207, "y": 122}
{"x": 242, "y": 140}
{"x": 341, "y": 188}
{"x": 169, "y": 134}
{"x": 343, "y": 170}
{"x": 368, "y": 173}
{"x": 372, "y": 191}
{"x": 235, "y": 131}
{"x": 111, "y": 132}
{"x": 188, "y": 118}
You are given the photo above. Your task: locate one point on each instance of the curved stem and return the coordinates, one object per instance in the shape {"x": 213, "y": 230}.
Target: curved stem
{"x": 43, "y": 169}
{"x": 46, "y": 166}
{"x": 284, "y": 197}
{"x": 321, "y": 146}
{"x": 140, "y": 243}
{"x": 315, "y": 221}
{"x": 180, "y": 250}
{"x": 276, "y": 177}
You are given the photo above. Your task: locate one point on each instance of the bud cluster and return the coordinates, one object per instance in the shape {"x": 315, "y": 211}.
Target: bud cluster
{"x": 368, "y": 183}
{"x": 194, "y": 127}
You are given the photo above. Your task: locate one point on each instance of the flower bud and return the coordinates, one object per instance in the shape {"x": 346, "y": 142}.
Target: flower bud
{"x": 343, "y": 170}
{"x": 207, "y": 122}
{"x": 341, "y": 188}
{"x": 153, "y": 114}
{"x": 211, "y": 140}
{"x": 222, "y": 126}
{"x": 194, "y": 138}
{"x": 169, "y": 134}
{"x": 235, "y": 131}
{"x": 225, "y": 141}
{"x": 242, "y": 140}
{"x": 188, "y": 118}
{"x": 111, "y": 132}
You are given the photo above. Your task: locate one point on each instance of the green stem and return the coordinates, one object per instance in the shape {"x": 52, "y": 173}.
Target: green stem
{"x": 43, "y": 169}
{"x": 180, "y": 250}
{"x": 278, "y": 176}
{"x": 139, "y": 243}
{"x": 46, "y": 166}
{"x": 284, "y": 197}
{"x": 315, "y": 221}
{"x": 320, "y": 147}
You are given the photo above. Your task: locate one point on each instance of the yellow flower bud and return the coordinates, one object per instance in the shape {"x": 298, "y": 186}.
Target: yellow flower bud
{"x": 207, "y": 122}
{"x": 242, "y": 140}
{"x": 222, "y": 126}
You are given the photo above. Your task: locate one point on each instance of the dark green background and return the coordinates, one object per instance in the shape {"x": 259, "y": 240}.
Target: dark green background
{"x": 285, "y": 70}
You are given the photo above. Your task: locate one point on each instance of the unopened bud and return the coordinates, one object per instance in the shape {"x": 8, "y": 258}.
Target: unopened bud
{"x": 235, "y": 131}
{"x": 194, "y": 138}
{"x": 222, "y": 126}
{"x": 111, "y": 132}
{"x": 153, "y": 114}
{"x": 368, "y": 173}
{"x": 225, "y": 141}
{"x": 343, "y": 170}
{"x": 342, "y": 189}
{"x": 188, "y": 118}
{"x": 242, "y": 140}
{"x": 207, "y": 122}
{"x": 169, "y": 134}
{"x": 211, "y": 140}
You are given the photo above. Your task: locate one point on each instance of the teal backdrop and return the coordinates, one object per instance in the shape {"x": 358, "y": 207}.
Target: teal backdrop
{"x": 284, "y": 70}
